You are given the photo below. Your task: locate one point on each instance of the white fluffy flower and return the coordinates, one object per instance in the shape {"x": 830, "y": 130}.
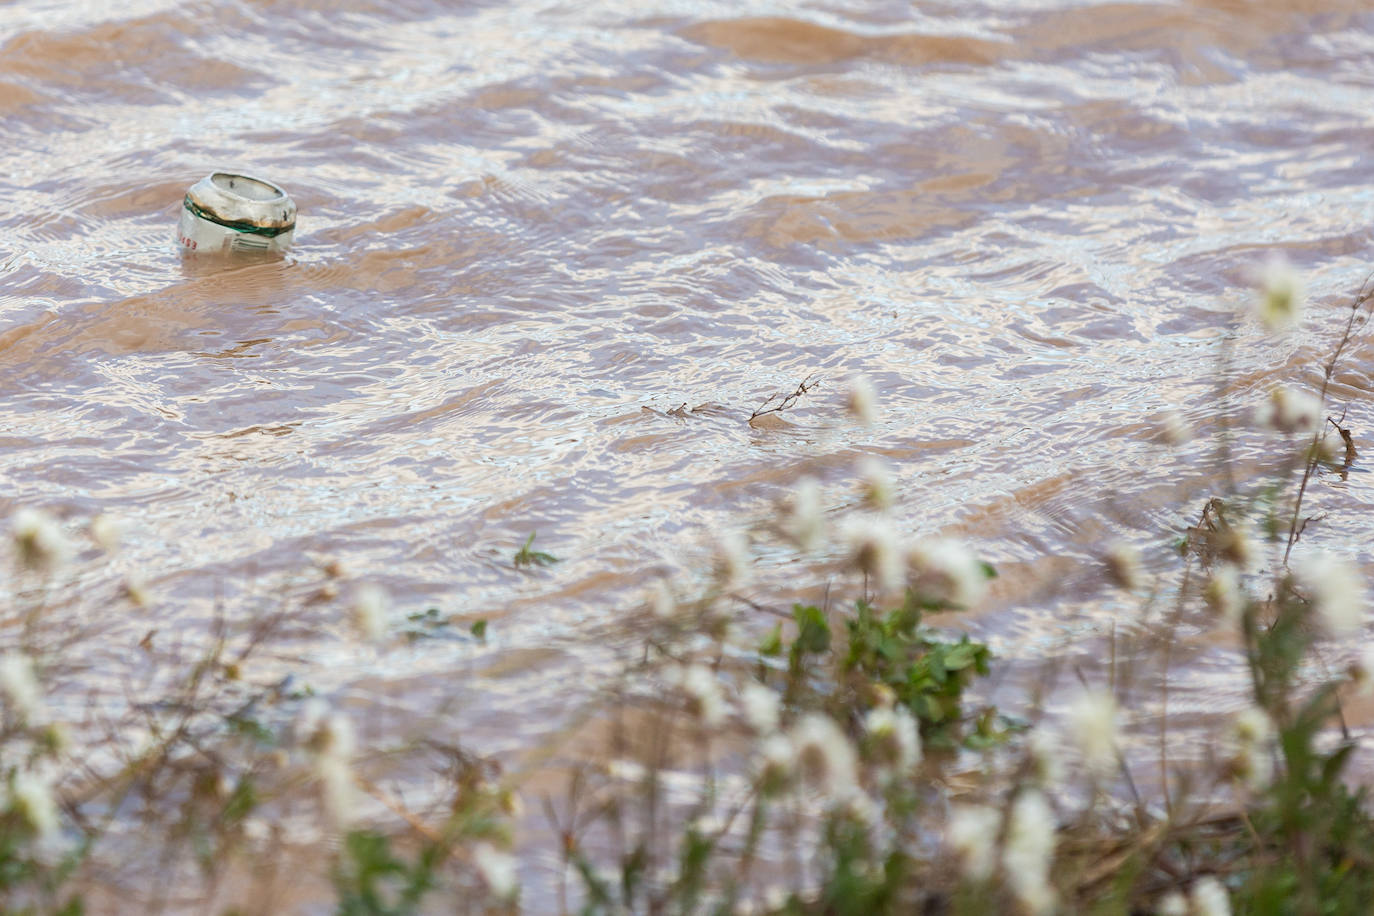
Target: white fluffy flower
{"x": 1254, "y": 726}
{"x": 323, "y": 731}
{"x": 825, "y": 758}
{"x": 38, "y": 536}
{"x": 1093, "y": 729}
{"x": 861, "y": 809}
{"x": 863, "y": 400}
{"x": 1047, "y": 763}
{"x": 497, "y": 869}
{"x": 662, "y": 602}
{"x": 1123, "y": 565}
{"x": 777, "y": 761}
{"x": 1172, "y": 904}
{"x": 107, "y": 531}
{"x": 1362, "y": 670}
{"x": 1030, "y": 850}
{"x": 1289, "y": 410}
{"x": 704, "y": 697}
{"x": 873, "y": 548}
{"x": 137, "y": 591}
{"x": 31, "y": 795}
{"x": 972, "y": 833}
{"x": 19, "y": 685}
{"x": 775, "y": 898}
{"x": 947, "y": 570}
{"x": 706, "y": 825}
{"x": 336, "y": 790}
{"x": 626, "y": 770}
{"x": 1335, "y": 588}
{"x": 1210, "y": 898}
{"x": 877, "y": 482}
{"x": 804, "y": 523}
{"x": 734, "y": 565}
{"x": 1280, "y": 303}
{"x": 1252, "y": 752}
{"x": 328, "y": 736}
{"x": 1223, "y": 593}
{"x": 894, "y": 741}
{"x": 1237, "y": 545}
{"x": 1174, "y": 428}
{"x": 370, "y": 605}
{"x": 760, "y": 707}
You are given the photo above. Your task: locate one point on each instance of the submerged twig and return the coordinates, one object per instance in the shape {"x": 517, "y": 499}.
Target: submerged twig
{"x": 803, "y": 387}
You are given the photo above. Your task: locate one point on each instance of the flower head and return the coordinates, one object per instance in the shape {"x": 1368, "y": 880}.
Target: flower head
{"x": 31, "y": 795}
{"x": 704, "y": 697}
{"x": 863, "y": 401}
{"x": 1289, "y": 410}
{"x": 107, "y": 531}
{"x": 328, "y": 737}
{"x": 38, "y": 536}
{"x": 1252, "y": 747}
{"x": 324, "y": 732}
{"x": 947, "y": 570}
{"x": 1223, "y": 593}
{"x": 760, "y": 706}
{"x": 1123, "y": 565}
{"x": 1172, "y": 904}
{"x": 1336, "y": 590}
{"x": 1281, "y": 298}
{"x": 804, "y": 522}
{"x": 777, "y": 763}
{"x": 19, "y": 685}
{"x": 1362, "y": 671}
{"x": 1235, "y": 542}
{"x": 1253, "y": 726}
{"x": 370, "y": 605}
{"x": 1174, "y": 428}
{"x": 873, "y": 549}
{"x": 1093, "y": 729}
{"x": 1210, "y": 898}
{"x": 136, "y": 590}
{"x": 734, "y": 565}
{"x": 972, "y": 833}
{"x": 336, "y": 790}
{"x": 626, "y": 770}
{"x": 1029, "y": 851}
{"x": 877, "y": 482}
{"x": 826, "y": 760}
{"x": 497, "y": 869}
{"x": 1047, "y": 763}
{"x": 893, "y": 740}
{"x": 662, "y": 602}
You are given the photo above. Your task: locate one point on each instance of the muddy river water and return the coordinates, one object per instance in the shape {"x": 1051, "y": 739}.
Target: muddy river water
{"x": 530, "y": 231}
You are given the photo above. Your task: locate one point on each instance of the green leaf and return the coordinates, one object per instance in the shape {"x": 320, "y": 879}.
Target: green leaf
{"x": 771, "y": 646}
{"x": 961, "y": 656}
{"x": 527, "y": 557}
{"x": 813, "y": 630}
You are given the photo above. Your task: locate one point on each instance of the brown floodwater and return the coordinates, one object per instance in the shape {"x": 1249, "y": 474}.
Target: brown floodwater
{"x": 531, "y": 230}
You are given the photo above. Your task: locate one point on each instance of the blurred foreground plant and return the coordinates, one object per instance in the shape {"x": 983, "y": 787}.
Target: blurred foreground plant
{"x": 835, "y": 768}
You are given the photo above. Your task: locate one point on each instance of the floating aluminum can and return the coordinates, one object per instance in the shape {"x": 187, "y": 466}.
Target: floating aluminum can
{"x": 225, "y": 212}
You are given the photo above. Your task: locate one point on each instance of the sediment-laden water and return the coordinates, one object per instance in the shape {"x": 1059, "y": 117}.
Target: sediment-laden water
{"x": 530, "y": 231}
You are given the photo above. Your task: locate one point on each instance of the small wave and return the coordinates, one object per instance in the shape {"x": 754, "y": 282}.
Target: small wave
{"x": 783, "y": 40}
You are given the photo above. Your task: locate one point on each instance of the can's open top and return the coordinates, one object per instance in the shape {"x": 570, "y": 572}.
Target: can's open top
{"x": 246, "y": 187}
{"x": 242, "y": 202}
